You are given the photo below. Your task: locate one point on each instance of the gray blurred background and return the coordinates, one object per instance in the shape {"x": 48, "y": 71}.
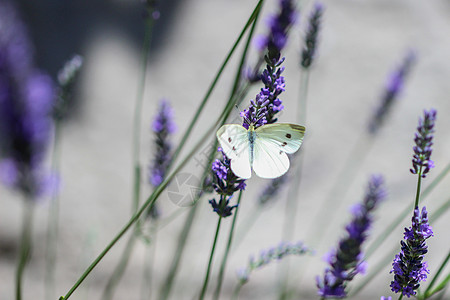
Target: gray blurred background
{"x": 361, "y": 43}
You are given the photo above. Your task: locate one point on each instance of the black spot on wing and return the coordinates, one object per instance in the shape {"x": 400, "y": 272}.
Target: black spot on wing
{"x": 288, "y": 135}
{"x": 229, "y": 140}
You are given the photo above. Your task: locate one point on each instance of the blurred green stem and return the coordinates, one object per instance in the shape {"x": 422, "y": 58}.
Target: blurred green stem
{"x": 136, "y": 146}
{"x": 227, "y": 250}
{"x": 53, "y": 216}
{"x": 428, "y": 292}
{"x": 208, "y": 269}
{"x": 295, "y": 174}
{"x": 25, "y": 244}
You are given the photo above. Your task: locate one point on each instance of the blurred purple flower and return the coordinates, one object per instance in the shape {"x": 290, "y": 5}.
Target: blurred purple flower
{"x": 424, "y": 140}
{"x": 309, "y": 50}
{"x": 346, "y": 261}
{"x": 162, "y": 127}
{"x": 408, "y": 266}
{"x": 26, "y": 99}
{"x": 391, "y": 92}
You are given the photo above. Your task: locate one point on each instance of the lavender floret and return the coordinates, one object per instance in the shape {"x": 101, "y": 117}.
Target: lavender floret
{"x": 424, "y": 140}
{"x": 347, "y": 260}
{"x": 408, "y": 266}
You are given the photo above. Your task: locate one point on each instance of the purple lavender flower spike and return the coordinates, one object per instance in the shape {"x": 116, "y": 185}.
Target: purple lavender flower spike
{"x": 408, "y": 266}
{"x": 225, "y": 184}
{"x": 26, "y": 99}
{"x": 386, "y": 298}
{"x": 310, "y": 48}
{"x": 346, "y": 261}
{"x": 424, "y": 140}
{"x": 162, "y": 127}
{"x": 394, "y": 86}
{"x": 267, "y": 103}
{"x": 272, "y": 254}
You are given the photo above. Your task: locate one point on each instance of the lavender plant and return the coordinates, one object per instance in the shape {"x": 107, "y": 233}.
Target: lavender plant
{"x": 26, "y": 100}
{"x": 311, "y": 38}
{"x": 163, "y": 127}
{"x": 408, "y": 266}
{"x": 347, "y": 260}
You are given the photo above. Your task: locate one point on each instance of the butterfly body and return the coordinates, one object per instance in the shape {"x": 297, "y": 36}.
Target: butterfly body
{"x": 262, "y": 150}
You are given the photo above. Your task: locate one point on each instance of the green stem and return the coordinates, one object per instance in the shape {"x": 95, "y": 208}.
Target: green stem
{"x": 146, "y": 290}
{"x": 292, "y": 198}
{"x": 25, "y": 244}
{"x": 53, "y": 218}
{"x": 375, "y": 270}
{"x": 428, "y": 292}
{"x": 419, "y": 183}
{"x": 168, "y": 283}
{"x": 227, "y": 250}
{"x": 120, "y": 268}
{"x": 136, "y": 146}
{"x": 188, "y": 131}
{"x": 152, "y": 198}
{"x": 236, "y": 291}
{"x": 373, "y": 247}
{"x": 208, "y": 270}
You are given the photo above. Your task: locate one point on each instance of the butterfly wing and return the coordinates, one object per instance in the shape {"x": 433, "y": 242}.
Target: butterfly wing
{"x": 233, "y": 139}
{"x": 271, "y": 144}
{"x": 268, "y": 160}
{"x": 288, "y": 137}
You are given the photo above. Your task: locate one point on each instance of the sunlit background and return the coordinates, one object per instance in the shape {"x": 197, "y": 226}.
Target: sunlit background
{"x": 361, "y": 43}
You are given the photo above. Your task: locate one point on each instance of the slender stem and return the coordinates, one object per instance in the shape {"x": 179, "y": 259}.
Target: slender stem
{"x": 25, "y": 244}
{"x": 236, "y": 291}
{"x": 227, "y": 250}
{"x": 375, "y": 270}
{"x": 146, "y": 290}
{"x": 433, "y": 281}
{"x": 208, "y": 270}
{"x": 53, "y": 217}
{"x": 136, "y": 144}
{"x": 120, "y": 268}
{"x": 188, "y": 131}
{"x": 400, "y": 297}
{"x": 168, "y": 283}
{"x": 419, "y": 183}
{"x": 373, "y": 247}
{"x": 152, "y": 198}
{"x": 293, "y": 191}
{"x": 245, "y": 228}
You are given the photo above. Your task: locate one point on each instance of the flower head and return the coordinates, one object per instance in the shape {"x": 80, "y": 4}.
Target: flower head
{"x": 408, "y": 266}
{"x": 394, "y": 86}
{"x": 225, "y": 183}
{"x": 346, "y": 261}
{"x": 424, "y": 140}
{"x": 309, "y": 50}
{"x": 272, "y": 254}
{"x": 26, "y": 100}
{"x": 267, "y": 103}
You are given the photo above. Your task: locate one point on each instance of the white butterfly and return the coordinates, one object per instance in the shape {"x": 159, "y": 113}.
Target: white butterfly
{"x": 262, "y": 149}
